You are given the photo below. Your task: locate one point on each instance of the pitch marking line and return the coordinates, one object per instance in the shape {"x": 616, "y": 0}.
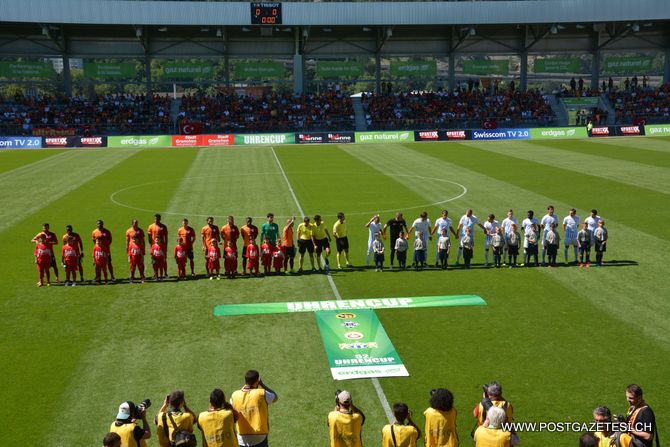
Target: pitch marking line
{"x": 375, "y": 382}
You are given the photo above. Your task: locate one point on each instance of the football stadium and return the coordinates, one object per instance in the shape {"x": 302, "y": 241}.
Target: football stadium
{"x": 314, "y": 223}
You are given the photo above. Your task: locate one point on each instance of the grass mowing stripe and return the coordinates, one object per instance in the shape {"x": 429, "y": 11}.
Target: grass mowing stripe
{"x": 375, "y": 382}
{"x": 635, "y": 174}
{"x": 21, "y": 159}
{"x": 627, "y": 150}
{"x": 499, "y": 192}
{"x": 657, "y": 144}
{"x": 25, "y": 191}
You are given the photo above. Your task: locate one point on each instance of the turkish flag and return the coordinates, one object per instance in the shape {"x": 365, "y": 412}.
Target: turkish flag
{"x": 190, "y": 128}
{"x": 490, "y": 124}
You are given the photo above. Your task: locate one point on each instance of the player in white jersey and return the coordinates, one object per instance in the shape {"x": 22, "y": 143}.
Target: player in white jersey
{"x": 571, "y": 228}
{"x": 467, "y": 221}
{"x": 506, "y": 226}
{"x": 422, "y": 225}
{"x": 443, "y": 223}
{"x": 491, "y": 228}
{"x": 527, "y": 226}
{"x": 545, "y": 223}
{"x": 373, "y": 227}
{"x": 592, "y": 222}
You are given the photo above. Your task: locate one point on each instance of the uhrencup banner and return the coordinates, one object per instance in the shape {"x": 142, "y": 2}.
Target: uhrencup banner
{"x": 265, "y": 138}
{"x": 558, "y": 132}
{"x": 140, "y": 141}
{"x": 351, "y": 304}
{"x": 357, "y": 345}
{"x": 381, "y": 137}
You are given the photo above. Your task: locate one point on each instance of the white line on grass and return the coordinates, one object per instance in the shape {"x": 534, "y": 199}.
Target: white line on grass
{"x": 375, "y": 382}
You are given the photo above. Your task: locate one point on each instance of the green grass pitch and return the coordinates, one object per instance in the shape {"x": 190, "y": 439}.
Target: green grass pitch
{"x": 561, "y": 341}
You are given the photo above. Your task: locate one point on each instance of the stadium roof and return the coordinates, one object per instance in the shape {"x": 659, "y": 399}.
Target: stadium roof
{"x": 117, "y": 12}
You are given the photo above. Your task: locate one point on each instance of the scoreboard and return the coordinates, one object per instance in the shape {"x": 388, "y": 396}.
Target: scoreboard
{"x": 266, "y": 13}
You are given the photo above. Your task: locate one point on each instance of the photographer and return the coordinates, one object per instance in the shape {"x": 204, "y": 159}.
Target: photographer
{"x": 111, "y": 440}
{"x": 131, "y": 434}
{"x": 345, "y": 422}
{"x": 640, "y": 417}
{"x": 218, "y": 422}
{"x": 605, "y": 434}
{"x": 173, "y": 417}
{"x": 441, "y": 420}
{"x": 399, "y": 433}
{"x": 251, "y": 403}
{"x": 492, "y": 397}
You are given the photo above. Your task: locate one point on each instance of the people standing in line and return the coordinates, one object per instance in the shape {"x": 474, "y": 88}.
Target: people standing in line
{"x": 378, "y": 249}
{"x": 400, "y": 247}
{"x": 467, "y": 248}
{"x": 600, "y": 238}
{"x": 570, "y": 229}
{"x": 552, "y": 242}
{"x": 396, "y": 226}
{"x": 468, "y": 220}
{"x": 442, "y": 224}
{"x": 513, "y": 240}
{"x": 209, "y": 233}
{"x": 506, "y": 225}
{"x": 157, "y": 233}
{"x": 547, "y": 221}
{"x": 50, "y": 240}
{"x": 497, "y": 244}
{"x": 527, "y": 227}
{"x": 305, "y": 243}
{"x": 78, "y": 245}
{"x": 187, "y": 235}
{"x": 440, "y": 430}
{"x": 249, "y": 232}
{"x": 443, "y": 248}
{"x": 422, "y": 228}
{"x": 321, "y": 239}
{"x": 373, "y": 227}
{"x": 491, "y": 229}
{"x": 584, "y": 243}
{"x": 419, "y": 252}
{"x": 288, "y": 245}
{"x": 341, "y": 241}
{"x": 532, "y": 237}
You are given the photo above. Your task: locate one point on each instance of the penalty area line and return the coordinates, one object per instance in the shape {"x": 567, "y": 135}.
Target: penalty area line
{"x": 375, "y": 382}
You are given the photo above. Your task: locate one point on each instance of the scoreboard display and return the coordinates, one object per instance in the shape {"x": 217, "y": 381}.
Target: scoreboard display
{"x": 266, "y": 13}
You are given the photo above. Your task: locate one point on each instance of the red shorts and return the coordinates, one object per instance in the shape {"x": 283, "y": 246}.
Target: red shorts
{"x": 213, "y": 265}
{"x": 252, "y": 264}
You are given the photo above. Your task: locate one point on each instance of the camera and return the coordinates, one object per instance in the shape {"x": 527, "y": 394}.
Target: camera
{"x": 141, "y": 407}
{"x": 485, "y": 388}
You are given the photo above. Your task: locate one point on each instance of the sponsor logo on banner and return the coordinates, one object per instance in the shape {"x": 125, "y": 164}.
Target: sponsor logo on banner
{"x": 630, "y": 130}
{"x": 93, "y": 141}
{"x": 216, "y": 140}
{"x": 360, "y": 345}
{"x": 310, "y": 138}
{"x": 141, "y": 140}
{"x": 558, "y": 132}
{"x": 375, "y": 137}
{"x": 185, "y": 140}
{"x": 345, "y": 316}
{"x": 456, "y": 135}
{"x": 600, "y": 131}
{"x": 349, "y": 324}
{"x": 658, "y": 130}
{"x": 354, "y": 335}
{"x": 343, "y": 137}
{"x": 429, "y": 135}
{"x": 501, "y": 134}
{"x": 57, "y": 141}
{"x": 20, "y": 142}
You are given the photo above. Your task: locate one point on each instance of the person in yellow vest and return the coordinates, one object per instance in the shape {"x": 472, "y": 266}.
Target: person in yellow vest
{"x": 251, "y": 404}
{"x": 345, "y": 422}
{"x": 441, "y": 420}
{"x": 132, "y": 435}
{"x": 403, "y": 432}
{"x": 606, "y": 435}
{"x": 218, "y": 422}
{"x": 493, "y": 396}
{"x": 174, "y": 415}
{"x": 491, "y": 434}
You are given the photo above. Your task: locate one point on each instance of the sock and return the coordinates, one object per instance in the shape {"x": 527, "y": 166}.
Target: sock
{"x": 339, "y": 257}
{"x": 544, "y": 252}
{"x": 486, "y": 257}
{"x": 565, "y": 252}
{"x": 575, "y": 248}
{"x": 367, "y": 259}
{"x": 458, "y": 256}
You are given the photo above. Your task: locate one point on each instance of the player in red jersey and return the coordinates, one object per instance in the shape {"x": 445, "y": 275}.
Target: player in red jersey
{"x": 100, "y": 260}
{"x": 105, "y": 237}
{"x": 252, "y": 256}
{"x": 43, "y": 256}
{"x": 188, "y": 235}
{"x": 78, "y": 245}
{"x": 230, "y": 262}
{"x": 158, "y": 259}
{"x": 278, "y": 256}
{"x": 70, "y": 260}
{"x": 213, "y": 263}
{"x": 158, "y": 230}
{"x": 136, "y": 257}
{"x": 180, "y": 255}
{"x": 266, "y": 256}
{"x": 50, "y": 239}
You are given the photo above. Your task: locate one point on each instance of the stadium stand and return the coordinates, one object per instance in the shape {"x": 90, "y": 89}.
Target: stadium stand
{"x": 641, "y": 103}
{"x": 458, "y": 109}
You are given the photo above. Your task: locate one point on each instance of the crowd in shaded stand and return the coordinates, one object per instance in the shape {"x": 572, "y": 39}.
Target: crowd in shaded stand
{"x": 105, "y": 114}
{"x": 457, "y": 109}
{"x": 274, "y": 112}
{"x": 641, "y": 103}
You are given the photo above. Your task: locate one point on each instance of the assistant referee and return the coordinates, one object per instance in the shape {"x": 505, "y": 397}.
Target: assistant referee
{"x": 341, "y": 240}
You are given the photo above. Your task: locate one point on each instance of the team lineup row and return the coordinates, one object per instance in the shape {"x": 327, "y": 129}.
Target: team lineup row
{"x": 277, "y": 251}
